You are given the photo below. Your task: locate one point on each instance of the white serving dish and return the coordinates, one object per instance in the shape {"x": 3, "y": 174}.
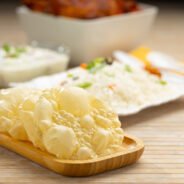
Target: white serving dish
{"x": 33, "y": 63}
{"x": 89, "y": 38}
{"x": 46, "y": 82}
{"x": 175, "y": 82}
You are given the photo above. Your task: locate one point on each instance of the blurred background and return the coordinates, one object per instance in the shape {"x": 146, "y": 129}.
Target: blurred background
{"x": 167, "y": 33}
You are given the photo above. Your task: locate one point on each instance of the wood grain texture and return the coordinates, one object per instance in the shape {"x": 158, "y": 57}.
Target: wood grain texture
{"x": 161, "y": 128}
{"x": 132, "y": 150}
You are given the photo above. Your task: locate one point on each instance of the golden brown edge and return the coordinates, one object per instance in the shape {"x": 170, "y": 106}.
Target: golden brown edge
{"x": 5, "y": 139}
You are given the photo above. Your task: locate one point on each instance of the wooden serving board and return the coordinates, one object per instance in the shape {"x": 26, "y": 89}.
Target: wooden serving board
{"x": 132, "y": 152}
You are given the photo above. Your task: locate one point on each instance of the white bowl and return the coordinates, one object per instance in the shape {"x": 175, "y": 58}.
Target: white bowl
{"x": 89, "y": 38}
{"x": 32, "y": 63}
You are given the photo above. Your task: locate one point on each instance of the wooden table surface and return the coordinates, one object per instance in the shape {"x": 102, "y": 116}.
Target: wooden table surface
{"x": 161, "y": 128}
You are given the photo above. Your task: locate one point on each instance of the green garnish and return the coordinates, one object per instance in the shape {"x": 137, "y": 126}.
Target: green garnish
{"x": 85, "y": 85}
{"x": 128, "y": 68}
{"x": 162, "y": 82}
{"x": 21, "y": 49}
{"x": 12, "y": 51}
{"x": 14, "y": 55}
{"x": 96, "y": 65}
{"x": 69, "y": 75}
{"x": 6, "y": 48}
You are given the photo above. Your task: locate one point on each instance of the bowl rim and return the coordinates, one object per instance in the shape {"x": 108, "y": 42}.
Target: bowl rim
{"x": 145, "y": 8}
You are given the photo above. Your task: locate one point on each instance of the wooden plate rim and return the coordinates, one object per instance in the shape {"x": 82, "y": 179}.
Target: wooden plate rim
{"x": 138, "y": 146}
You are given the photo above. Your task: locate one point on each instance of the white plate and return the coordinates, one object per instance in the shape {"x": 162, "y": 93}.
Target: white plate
{"x": 54, "y": 80}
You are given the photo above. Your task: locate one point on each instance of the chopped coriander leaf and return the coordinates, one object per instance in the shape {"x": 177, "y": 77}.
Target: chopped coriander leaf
{"x": 85, "y": 85}
{"x": 95, "y": 62}
{"x": 69, "y": 75}
{"x": 12, "y": 51}
{"x": 96, "y": 65}
{"x": 14, "y": 55}
{"x": 162, "y": 82}
{"x": 20, "y": 49}
{"x": 6, "y": 48}
{"x": 128, "y": 68}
